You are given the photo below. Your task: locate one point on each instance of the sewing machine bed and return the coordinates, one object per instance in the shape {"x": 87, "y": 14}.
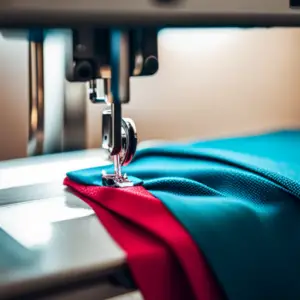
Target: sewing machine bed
{"x": 51, "y": 243}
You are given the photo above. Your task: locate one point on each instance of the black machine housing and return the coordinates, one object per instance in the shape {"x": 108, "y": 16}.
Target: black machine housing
{"x": 87, "y": 51}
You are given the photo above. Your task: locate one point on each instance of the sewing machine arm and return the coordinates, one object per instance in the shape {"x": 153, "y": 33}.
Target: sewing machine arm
{"x": 158, "y": 13}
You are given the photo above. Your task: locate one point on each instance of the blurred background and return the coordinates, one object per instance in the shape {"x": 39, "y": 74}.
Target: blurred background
{"x": 211, "y": 83}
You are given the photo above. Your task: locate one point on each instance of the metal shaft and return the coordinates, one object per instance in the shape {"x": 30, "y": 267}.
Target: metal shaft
{"x": 117, "y": 166}
{"x": 36, "y": 98}
{"x": 117, "y": 92}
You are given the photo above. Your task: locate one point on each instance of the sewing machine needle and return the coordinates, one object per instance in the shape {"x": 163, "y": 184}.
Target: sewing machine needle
{"x": 117, "y": 166}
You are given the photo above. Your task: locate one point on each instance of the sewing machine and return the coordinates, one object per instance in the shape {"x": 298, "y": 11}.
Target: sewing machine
{"x": 65, "y": 252}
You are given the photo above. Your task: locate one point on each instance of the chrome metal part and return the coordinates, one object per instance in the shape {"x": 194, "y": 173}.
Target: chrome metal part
{"x": 116, "y": 93}
{"x": 113, "y": 180}
{"x": 128, "y": 148}
{"x": 128, "y": 137}
{"x": 129, "y": 141}
{"x": 36, "y": 98}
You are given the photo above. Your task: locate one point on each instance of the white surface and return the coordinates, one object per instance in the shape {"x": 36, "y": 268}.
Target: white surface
{"x": 35, "y": 170}
{"x": 50, "y": 239}
{"x": 36, "y": 217}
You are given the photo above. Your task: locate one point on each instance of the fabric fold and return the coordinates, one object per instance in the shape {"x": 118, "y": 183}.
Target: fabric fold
{"x": 152, "y": 266}
{"x": 147, "y": 215}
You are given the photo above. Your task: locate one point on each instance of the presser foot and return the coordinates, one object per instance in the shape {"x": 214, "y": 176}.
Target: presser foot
{"x": 128, "y": 145}
{"x": 115, "y": 180}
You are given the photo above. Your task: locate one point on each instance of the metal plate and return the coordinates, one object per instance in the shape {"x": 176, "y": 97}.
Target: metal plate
{"x": 49, "y": 241}
{"x": 160, "y": 13}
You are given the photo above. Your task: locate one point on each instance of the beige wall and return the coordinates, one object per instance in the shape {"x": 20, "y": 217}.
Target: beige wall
{"x": 13, "y": 98}
{"x": 216, "y": 83}
{"x": 210, "y": 83}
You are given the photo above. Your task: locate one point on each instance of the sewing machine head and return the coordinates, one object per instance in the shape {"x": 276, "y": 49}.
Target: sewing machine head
{"x": 113, "y": 55}
{"x": 115, "y": 40}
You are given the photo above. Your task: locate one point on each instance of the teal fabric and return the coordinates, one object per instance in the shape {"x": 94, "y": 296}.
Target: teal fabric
{"x": 239, "y": 200}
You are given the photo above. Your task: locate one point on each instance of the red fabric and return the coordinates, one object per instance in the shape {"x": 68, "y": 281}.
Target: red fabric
{"x": 164, "y": 261}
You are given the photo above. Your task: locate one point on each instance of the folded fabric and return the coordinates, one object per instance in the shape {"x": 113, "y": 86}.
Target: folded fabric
{"x": 165, "y": 262}
{"x": 239, "y": 201}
